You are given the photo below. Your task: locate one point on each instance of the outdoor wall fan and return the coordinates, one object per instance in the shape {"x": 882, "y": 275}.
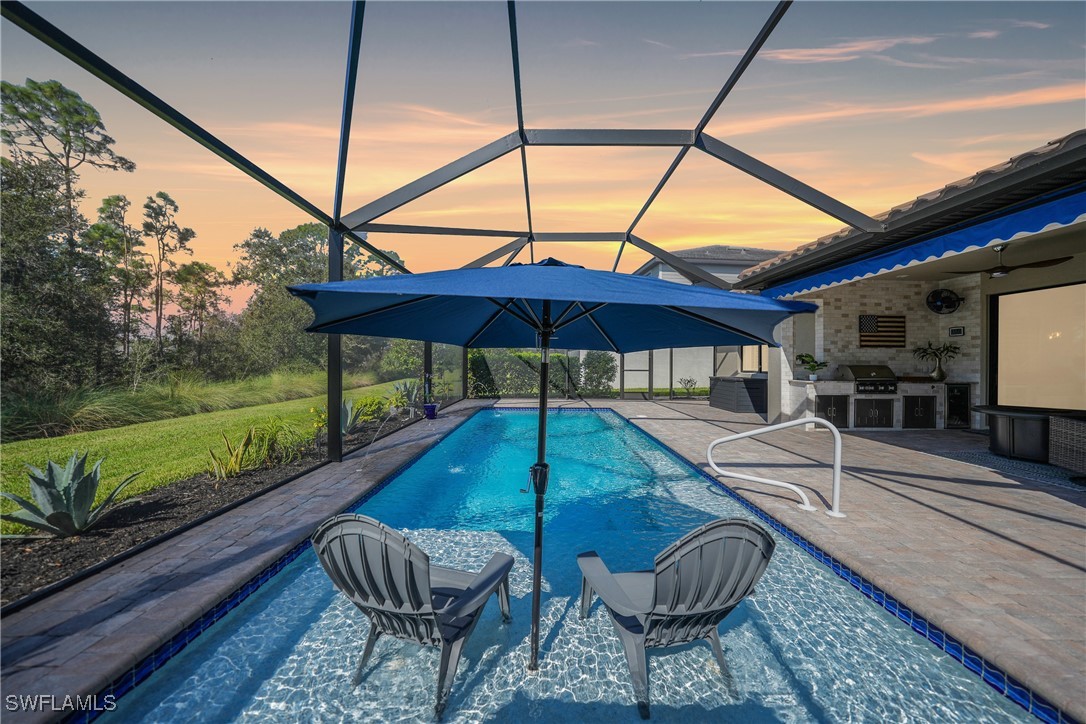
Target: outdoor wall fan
{"x": 1002, "y": 270}
{"x": 943, "y": 301}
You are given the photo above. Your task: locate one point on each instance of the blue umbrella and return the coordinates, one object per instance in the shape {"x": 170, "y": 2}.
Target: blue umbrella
{"x": 530, "y": 305}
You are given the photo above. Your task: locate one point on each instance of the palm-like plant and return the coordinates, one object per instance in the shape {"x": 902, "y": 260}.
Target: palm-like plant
{"x": 65, "y": 498}
{"x": 945, "y": 351}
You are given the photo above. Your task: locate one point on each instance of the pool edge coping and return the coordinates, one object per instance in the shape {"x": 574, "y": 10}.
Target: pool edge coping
{"x": 989, "y": 673}
{"x": 160, "y": 655}
{"x": 984, "y": 669}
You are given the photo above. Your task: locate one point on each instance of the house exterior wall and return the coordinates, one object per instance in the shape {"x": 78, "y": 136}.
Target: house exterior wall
{"x": 835, "y": 337}
{"x": 698, "y": 363}
{"x": 727, "y": 272}
{"x": 840, "y": 308}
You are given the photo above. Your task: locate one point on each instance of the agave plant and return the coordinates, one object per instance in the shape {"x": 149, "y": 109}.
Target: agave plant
{"x": 405, "y": 393}
{"x": 350, "y": 416}
{"x": 64, "y": 497}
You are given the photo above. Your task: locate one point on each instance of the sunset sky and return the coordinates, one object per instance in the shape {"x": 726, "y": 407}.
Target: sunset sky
{"x": 870, "y": 102}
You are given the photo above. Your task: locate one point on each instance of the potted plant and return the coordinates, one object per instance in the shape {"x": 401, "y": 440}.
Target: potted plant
{"x": 809, "y": 363}
{"x": 945, "y": 351}
{"x": 429, "y": 406}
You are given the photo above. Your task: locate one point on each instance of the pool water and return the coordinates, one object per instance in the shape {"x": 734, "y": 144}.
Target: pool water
{"x": 806, "y": 647}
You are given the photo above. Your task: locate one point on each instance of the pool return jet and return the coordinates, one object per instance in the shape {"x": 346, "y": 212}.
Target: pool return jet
{"x": 527, "y": 305}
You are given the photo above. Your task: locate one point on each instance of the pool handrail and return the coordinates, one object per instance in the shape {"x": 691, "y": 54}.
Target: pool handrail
{"x": 835, "y": 506}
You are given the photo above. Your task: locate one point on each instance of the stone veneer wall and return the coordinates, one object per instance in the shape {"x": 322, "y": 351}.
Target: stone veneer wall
{"x": 837, "y": 337}
{"x": 840, "y": 308}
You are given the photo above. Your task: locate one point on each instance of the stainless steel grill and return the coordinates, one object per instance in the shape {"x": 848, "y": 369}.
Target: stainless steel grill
{"x": 871, "y": 379}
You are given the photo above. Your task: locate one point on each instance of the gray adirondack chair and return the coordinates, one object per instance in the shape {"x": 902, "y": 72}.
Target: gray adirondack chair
{"x": 696, "y": 582}
{"x": 392, "y": 582}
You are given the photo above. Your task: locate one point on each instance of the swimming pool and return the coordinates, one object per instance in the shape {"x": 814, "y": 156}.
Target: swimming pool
{"x": 806, "y": 647}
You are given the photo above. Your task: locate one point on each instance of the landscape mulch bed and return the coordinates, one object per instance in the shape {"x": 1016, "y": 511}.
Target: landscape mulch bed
{"x": 27, "y": 564}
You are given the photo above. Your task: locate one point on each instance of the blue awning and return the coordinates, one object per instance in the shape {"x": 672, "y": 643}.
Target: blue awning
{"x": 1049, "y": 215}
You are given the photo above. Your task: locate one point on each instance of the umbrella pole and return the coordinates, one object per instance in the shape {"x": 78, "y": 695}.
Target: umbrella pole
{"x": 539, "y": 480}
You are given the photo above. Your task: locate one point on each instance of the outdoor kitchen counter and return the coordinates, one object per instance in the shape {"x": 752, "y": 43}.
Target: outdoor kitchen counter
{"x": 805, "y": 404}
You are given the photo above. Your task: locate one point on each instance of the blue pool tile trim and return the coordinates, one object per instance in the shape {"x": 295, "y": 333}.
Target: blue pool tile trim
{"x": 160, "y": 656}
{"x": 986, "y": 670}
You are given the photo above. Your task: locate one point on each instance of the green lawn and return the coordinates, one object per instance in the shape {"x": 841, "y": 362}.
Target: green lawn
{"x": 166, "y": 450}
{"x": 178, "y": 395}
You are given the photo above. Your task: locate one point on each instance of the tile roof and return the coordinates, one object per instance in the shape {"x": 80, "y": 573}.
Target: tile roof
{"x": 900, "y": 214}
{"x": 723, "y": 253}
{"x": 718, "y": 253}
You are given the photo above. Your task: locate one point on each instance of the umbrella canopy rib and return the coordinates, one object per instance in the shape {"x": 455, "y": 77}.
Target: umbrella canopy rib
{"x": 606, "y": 337}
{"x": 518, "y": 315}
{"x": 562, "y": 315}
{"x": 583, "y": 313}
{"x": 720, "y": 325}
{"x": 381, "y": 310}
{"x": 526, "y": 308}
{"x": 486, "y": 325}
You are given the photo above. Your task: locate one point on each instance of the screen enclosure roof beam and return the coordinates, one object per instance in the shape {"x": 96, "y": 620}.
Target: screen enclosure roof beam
{"x": 607, "y": 137}
{"x": 433, "y": 180}
{"x": 514, "y": 49}
{"x": 358, "y": 12}
{"x": 744, "y": 62}
{"x": 354, "y": 50}
{"x": 58, "y": 40}
{"x": 737, "y": 73}
{"x": 659, "y": 187}
{"x": 791, "y": 186}
{"x": 693, "y": 273}
{"x": 511, "y": 248}
{"x": 581, "y": 236}
{"x": 435, "y": 230}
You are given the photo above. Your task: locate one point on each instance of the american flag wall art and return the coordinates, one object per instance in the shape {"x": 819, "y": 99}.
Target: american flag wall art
{"x": 877, "y": 330}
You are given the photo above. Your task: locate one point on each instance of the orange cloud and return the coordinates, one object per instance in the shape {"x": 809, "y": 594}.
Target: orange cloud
{"x": 965, "y": 164}
{"x": 841, "y": 52}
{"x": 1066, "y": 93}
{"x": 836, "y": 53}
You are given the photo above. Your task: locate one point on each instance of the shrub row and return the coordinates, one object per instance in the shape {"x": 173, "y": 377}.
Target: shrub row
{"x": 177, "y": 395}
{"x": 515, "y": 373}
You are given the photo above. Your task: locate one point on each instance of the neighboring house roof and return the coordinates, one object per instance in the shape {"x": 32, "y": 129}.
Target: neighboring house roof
{"x": 716, "y": 254}
{"x": 1056, "y": 165}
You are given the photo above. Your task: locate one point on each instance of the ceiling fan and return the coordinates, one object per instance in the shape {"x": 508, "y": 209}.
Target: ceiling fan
{"x": 1002, "y": 270}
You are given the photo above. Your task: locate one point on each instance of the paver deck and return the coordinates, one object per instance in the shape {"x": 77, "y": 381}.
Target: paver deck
{"x": 78, "y": 641}
{"x": 997, "y": 562}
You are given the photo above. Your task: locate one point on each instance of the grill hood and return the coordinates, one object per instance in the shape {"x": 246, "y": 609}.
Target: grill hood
{"x": 867, "y": 373}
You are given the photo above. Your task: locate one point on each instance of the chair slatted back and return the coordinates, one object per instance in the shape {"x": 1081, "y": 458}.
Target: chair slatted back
{"x": 383, "y": 573}
{"x": 703, "y": 576}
